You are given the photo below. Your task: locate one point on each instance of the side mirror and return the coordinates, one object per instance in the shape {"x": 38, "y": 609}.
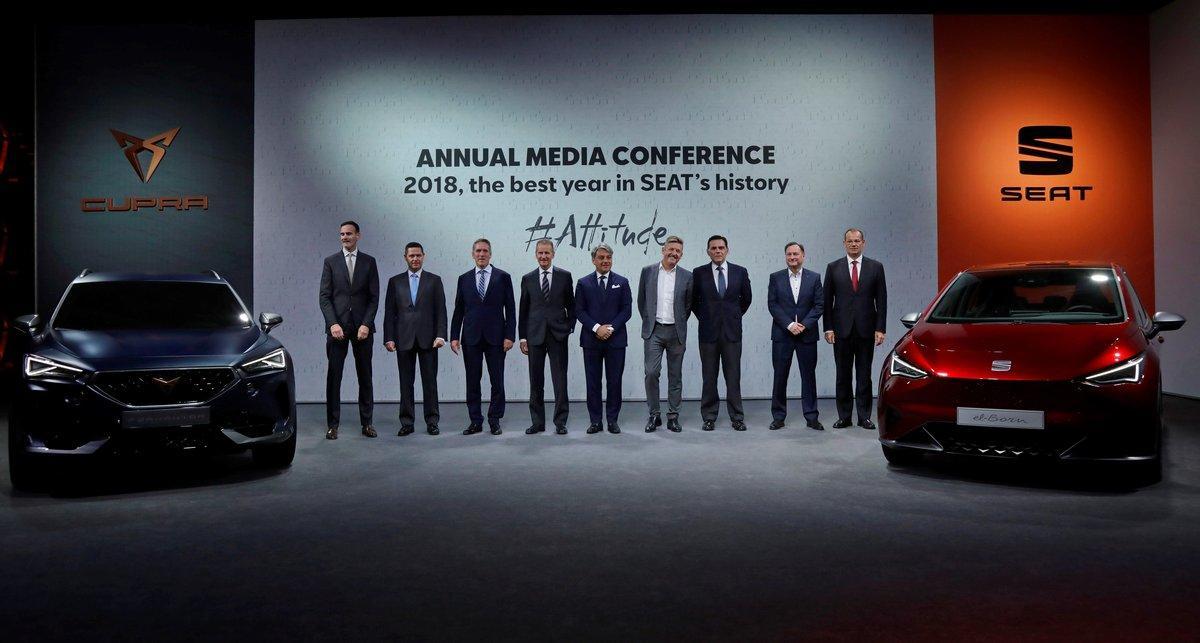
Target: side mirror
{"x": 910, "y": 319}
{"x": 28, "y": 324}
{"x": 1162, "y": 321}
{"x": 269, "y": 320}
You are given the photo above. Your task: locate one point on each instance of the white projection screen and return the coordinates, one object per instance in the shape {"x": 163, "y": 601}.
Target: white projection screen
{"x": 344, "y": 108}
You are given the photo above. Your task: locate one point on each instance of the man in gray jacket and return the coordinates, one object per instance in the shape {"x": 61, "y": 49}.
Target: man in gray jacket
{"x": 665, "y": 302}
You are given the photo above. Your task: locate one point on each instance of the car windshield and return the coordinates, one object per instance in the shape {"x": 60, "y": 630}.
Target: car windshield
{"x": 1065, "y": 295}
{"x": 150, "y": 305}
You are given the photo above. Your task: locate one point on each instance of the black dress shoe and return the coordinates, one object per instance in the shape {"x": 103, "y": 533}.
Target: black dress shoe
{"x": 494, "y": 427}
{"x": 473, "y": 429}
{"x": 841, "y": 424}
{"x": 594, "y": 428}
{"x": 709, "y": 425}
{"x": 652, "y": 423}
{"x": 867, "y": 424}
{"x": 405, "y": 430}
{"x": 433, "y": 430}
{"x": 534, "y": 429}
{"x": 331, "y": 434}
{"x": 369, "y": 431}
{"x": 673, "y": 424}
{"x": 739, "y": 426}
{"x": 816, "y": 425}
{"x": 561, "y": 430}
{"x": 776, "y": 425}
{"x": 613, "y": 428}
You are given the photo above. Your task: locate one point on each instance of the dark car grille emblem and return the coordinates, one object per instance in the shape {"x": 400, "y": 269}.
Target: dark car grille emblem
{"x": 166, "y": 387}
{"x": 1002, "y": 365}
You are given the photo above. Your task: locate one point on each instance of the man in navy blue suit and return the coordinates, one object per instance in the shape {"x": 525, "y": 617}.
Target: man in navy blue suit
{"x": 720, "y": 297}
{"x": 795, "y": 301}
{"x": 484, "y": 325}
{"x": 603, "y": 304}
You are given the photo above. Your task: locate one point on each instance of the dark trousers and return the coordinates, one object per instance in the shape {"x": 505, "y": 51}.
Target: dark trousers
{"x": 721, "y": 356}
{"x": 473, "y": 358}
{"x": 407, "y": 361}
{"x": 609, "y": 362}
{"x": 781, "y": 359}
{"x": 556, "y": 349}
{"x": 336, "y": 351}
{"x": 857, "y": 353}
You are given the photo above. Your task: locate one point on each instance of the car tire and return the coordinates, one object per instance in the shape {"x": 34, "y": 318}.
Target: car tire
{"x": 23, "y": 472}
{"x": 276, "y": 456}
{"x": 900, "y": 456}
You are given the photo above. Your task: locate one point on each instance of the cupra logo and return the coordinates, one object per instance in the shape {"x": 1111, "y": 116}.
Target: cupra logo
{"x": 134, "y": 146}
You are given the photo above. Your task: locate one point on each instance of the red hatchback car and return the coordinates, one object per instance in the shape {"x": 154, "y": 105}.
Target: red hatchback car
{"x": 1051, "y": 361}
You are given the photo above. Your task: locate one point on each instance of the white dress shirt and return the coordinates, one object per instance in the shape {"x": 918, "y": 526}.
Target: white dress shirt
{"x": 850, "y": 266}
{"x": 487, "y": 276}
{"x": 549, "y": 277}
{"x": 664, "y": 311}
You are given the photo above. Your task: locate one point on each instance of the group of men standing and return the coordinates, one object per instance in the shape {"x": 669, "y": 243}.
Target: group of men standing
{"x": 487, "y": 321}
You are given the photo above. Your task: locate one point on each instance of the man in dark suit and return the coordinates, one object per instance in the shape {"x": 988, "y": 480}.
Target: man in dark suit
{"x": 603, "y": 305}
{"x": 665, "y": 302}
{"x": 349, "y": 300}
{"x": 547, "y": 316}
{"x": 485, "y": 320}
{"x": 855, "y": 315}
{"x": 720, "y": 297}
{"x": 414, "y": 327}
{"x": 795, "y": 301}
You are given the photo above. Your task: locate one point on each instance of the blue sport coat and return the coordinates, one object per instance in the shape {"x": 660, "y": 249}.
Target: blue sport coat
{"x": 492, "y": 319}
{"x": 615, "y": 306}
{"x": 785, "y": 310}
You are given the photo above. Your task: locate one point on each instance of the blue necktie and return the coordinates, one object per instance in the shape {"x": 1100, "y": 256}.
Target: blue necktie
{"x": 603, "y": 292}
{"x": 720, "y": 281}
{"x": 480, "y": 287}
{"x": 412, "y": 287}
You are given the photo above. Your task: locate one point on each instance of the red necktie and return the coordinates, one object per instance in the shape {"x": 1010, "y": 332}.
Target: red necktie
{"x": 854, "y": 275}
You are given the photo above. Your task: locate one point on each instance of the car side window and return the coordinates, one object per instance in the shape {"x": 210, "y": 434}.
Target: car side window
{"x": 1139, "y": 313}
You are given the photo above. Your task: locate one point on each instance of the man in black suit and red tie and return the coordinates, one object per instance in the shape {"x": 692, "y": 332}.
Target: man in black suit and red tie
{"x": 546, "y": 318}
{"x": 484, "y": 326}
{"x": 414, "y": 327}
{"x": 855, "y": 316}
{"x": 349, "y": 300}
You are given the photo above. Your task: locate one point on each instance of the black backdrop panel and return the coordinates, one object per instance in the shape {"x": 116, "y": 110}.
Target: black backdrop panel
{"x": 143, "y": 83}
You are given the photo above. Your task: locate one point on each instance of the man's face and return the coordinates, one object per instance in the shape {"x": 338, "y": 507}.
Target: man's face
{"x": 602, "y": 261}
{"x": 544, "y": 254}
{"x": 794, "y": 256}
{"x": 671, "y": 254}
{"x": 415, "y": 258}
{"x": 349, "y": 237}
{"x": 717, "y": 251}
{"x": 482, "y": 253}
{"x": 854, "y": 243}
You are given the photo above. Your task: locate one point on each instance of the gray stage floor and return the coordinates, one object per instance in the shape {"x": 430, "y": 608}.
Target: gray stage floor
{"x": 723, "y": 535}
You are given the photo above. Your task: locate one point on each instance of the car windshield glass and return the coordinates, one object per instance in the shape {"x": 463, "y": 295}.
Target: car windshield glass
{"x": 150, "y": 305}
{"x": 1043, "y": 295}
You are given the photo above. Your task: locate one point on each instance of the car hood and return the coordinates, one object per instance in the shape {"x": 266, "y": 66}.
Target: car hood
{"x": 103, "y": 350}
{"x": 1036, "y": 351}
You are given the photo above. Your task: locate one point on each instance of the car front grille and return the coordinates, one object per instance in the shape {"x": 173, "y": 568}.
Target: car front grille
{"x": 165, "y": 387}
{"x": 1002, "y": 443}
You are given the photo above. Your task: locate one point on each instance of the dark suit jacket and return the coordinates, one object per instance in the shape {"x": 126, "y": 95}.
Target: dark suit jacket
{"x": 864, "y": 311}
{"x": 615, "y": 306}
{"x": 648, "y": 299}
{"x": 720, "y": 317}
{"x": 784, "y": 309}
{"x": 492, "y": 319}
{"x": 414, "y": 325}
{"x": 349, "y": 304}
{"x": 538, "y": 316}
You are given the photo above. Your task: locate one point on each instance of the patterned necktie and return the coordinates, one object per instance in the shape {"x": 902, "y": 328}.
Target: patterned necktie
{"x": 480, "y": 287}
{"x": 412, "y": 287}
{"x": 546, "y": 285}
{"x": 854, "y": 275}
{"x": 720, "y": 281}
{"x": 350, "y": 266}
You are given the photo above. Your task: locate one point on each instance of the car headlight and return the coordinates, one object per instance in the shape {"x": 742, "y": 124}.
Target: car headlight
{"x": 897, "y": 366}
{"x": 1129, "y": 371}
{"x": 276, "y": 360}
{"x": 37, "y": 367}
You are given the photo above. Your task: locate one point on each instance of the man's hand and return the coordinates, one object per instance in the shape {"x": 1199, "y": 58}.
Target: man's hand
{"x": 454, "y": 344}
{"x": 829, "y": 336}
{"x": 336, "y": 331}
{"x": 879, "y": 337}
{"x": 508, "y": 344}
{"x": 606, "y": 331}
{"x": 439, "y": 342}
{"x": 524, "y": 347}
{"x": 795, "y": 328}
{"x": 363, "y": 331}
{"x": 390, "y": 346}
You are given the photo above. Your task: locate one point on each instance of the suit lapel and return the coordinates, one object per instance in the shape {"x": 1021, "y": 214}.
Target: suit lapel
{"x": 652, "y": 289}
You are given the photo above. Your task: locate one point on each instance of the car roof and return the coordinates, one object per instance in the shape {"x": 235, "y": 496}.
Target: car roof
{"x": 208, "y": 277}
{"x": 1044, "y": 265}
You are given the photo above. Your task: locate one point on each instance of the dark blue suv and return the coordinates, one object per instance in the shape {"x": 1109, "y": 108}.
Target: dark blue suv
{"x": 135, "y": 364}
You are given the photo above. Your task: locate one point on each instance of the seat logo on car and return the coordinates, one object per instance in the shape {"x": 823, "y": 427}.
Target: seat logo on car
{"x": 166, "y": 385}
{"x": 1002, "y": 365}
